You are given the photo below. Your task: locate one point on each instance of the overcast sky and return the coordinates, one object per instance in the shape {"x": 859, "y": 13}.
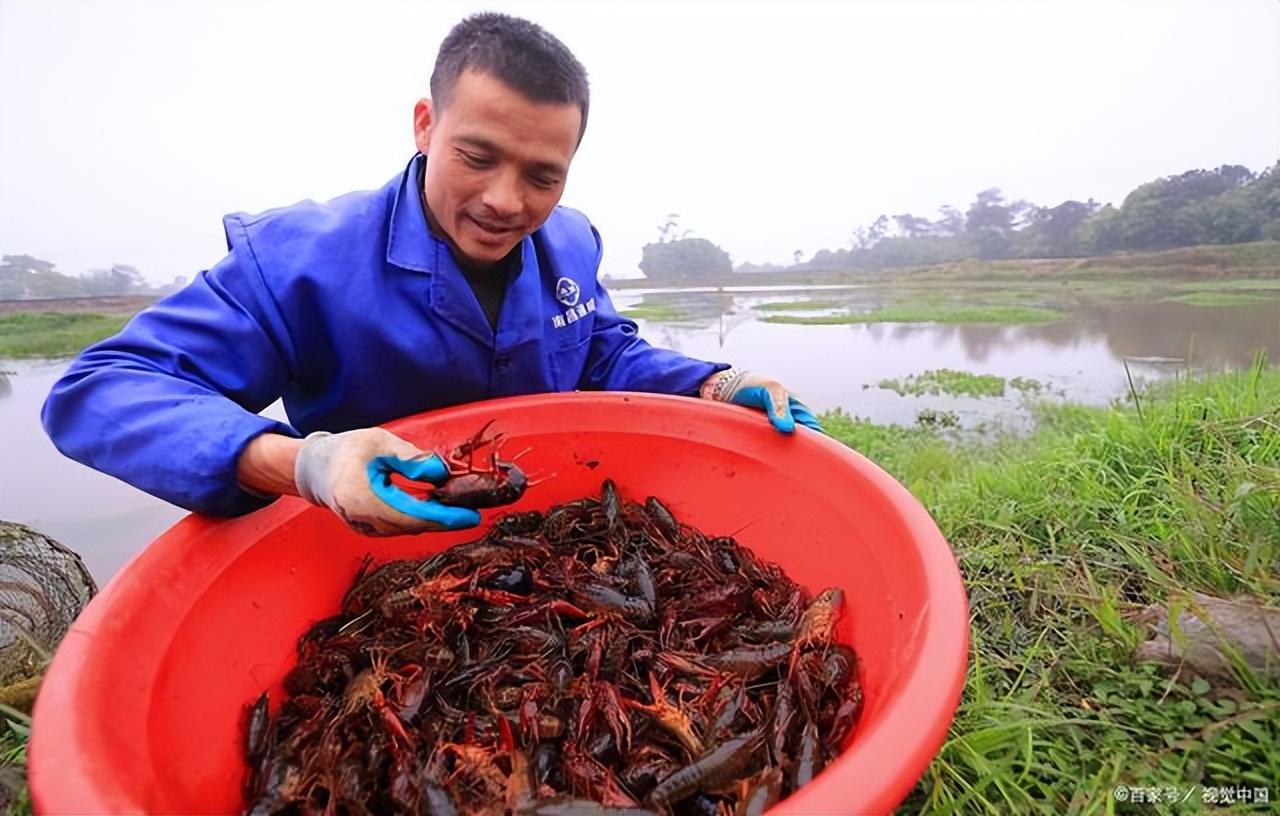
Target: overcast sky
{"x": 128, "y": 129}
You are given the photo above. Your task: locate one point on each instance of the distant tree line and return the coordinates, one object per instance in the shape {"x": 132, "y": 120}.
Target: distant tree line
{"x": 1228, "y": 205}
{"x": 23, "y": 277}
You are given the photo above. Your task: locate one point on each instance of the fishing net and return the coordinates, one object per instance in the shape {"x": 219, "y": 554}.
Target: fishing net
{"x": 43, "y": 586}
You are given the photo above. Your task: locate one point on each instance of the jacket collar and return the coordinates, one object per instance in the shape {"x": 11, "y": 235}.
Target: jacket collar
{"x": 410, "y": 244}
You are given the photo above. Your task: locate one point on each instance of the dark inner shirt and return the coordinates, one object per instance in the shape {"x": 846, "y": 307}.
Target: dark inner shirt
{"x": 488, "y": 285}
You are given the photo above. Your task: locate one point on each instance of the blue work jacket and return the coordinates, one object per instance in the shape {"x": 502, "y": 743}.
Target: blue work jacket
{"x": 355, "y": 314}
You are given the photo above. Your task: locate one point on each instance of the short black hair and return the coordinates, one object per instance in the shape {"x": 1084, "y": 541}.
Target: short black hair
{"x": 519, "y": 53}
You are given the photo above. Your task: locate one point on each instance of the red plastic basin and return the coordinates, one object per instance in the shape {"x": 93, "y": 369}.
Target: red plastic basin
{"x": 140, "y": 709}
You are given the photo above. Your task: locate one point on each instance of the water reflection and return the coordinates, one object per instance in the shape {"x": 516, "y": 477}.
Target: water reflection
{"x": 1211, "y": 337}
{"x": 1082, "y": 357}
{"x": 1214, "y": 337}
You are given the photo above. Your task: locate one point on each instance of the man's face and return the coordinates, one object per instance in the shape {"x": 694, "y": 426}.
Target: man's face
{"x": 496, "y": 164}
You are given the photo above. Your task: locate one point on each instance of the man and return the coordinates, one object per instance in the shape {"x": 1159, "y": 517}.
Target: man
{"x": 460, "y": 280}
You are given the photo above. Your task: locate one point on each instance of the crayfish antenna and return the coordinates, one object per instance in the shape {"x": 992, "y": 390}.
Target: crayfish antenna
{"x": 357, "y": 619}
{"x": 534, "y": 481}
{"x": 743, "y": 527}
{"x": 468, "y": 448}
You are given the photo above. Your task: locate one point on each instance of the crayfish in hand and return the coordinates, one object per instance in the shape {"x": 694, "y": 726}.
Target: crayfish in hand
{"x": 491, "y": 482}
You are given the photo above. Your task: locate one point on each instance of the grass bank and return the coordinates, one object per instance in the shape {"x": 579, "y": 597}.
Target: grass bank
{"x": 1216, "y": 263}
{"x": 1063, "y": 537}
{"x": 928, "y": 313}
{"x": 1269, "y": 286}
{"x": 54, "y": 334}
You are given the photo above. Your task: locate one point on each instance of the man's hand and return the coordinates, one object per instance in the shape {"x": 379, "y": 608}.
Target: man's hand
{"x": 744, "y": 388}
{"x": 350, "y": 473}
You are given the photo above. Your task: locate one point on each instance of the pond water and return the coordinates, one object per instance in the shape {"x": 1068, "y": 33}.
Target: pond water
{"x": 1081, "y": 358}
{"x": 102, "y": 519}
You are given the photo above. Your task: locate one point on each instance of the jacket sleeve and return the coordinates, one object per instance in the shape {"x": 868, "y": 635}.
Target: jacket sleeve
{"x": 169, "y": 403}
{"x": 619, "y": 360}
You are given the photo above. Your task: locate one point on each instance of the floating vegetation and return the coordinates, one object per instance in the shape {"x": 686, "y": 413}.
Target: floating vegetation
{"x": 933, "y": 418}
{"x": 947, "y": 381}
{"x": 1237, "y": 298}
{"x": 959, "y": 384}
{"x": 654, "y": 311}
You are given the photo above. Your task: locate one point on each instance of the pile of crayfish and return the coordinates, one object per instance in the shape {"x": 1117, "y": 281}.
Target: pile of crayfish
{"x": 598, "y": 659}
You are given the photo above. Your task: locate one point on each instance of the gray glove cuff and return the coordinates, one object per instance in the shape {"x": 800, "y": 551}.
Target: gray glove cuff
{"x": 312, "y": 466}
{"x": 729, "y": 383}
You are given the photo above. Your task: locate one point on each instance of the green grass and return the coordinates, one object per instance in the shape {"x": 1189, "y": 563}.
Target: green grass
{"x": 13, "y": 743}
{"x": 15, "y": 732}
{"x": 1237, "y": 298}
{"x": 654, "y": 311}
{"x": 798, "y": 306}
{"x": 54, "y": 334}
{"x": 1062, "y": 537}
{"x": 928, "y": 312}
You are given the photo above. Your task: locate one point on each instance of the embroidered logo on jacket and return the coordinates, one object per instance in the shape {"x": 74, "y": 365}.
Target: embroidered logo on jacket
{"x": 568, "y": 292}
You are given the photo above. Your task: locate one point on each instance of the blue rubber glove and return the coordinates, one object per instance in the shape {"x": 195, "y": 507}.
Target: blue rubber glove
{"x": 430, "y": 469}
{"x": 744, "y": 388}
{"x": 350, "y": 473}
